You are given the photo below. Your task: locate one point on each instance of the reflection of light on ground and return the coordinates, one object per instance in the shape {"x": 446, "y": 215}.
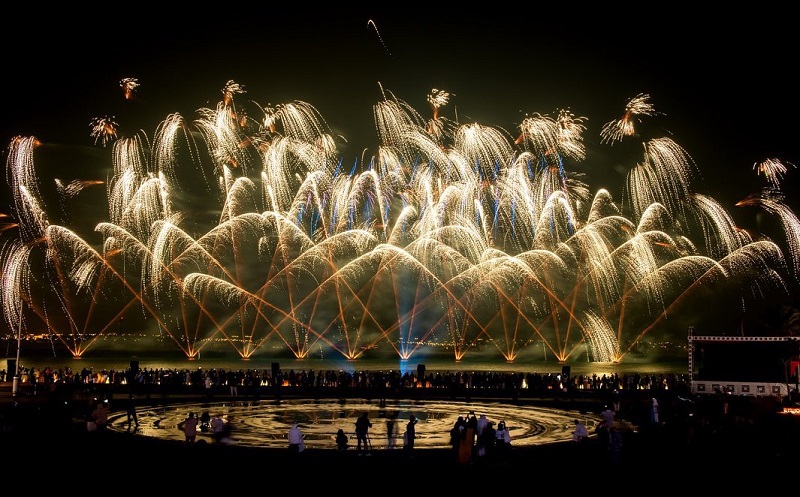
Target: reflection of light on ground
{"x": 265, "y": 424}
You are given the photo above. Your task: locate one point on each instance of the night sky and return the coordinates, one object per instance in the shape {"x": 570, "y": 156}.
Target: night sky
{"x": 724, "y": 89}
{"x": 722, "y": 82}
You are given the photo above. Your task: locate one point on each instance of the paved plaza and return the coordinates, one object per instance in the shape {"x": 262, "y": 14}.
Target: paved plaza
{"x": 265, "y": 423}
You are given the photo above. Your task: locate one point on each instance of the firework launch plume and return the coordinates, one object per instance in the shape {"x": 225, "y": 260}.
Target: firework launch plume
{"x": 453, "y": 236}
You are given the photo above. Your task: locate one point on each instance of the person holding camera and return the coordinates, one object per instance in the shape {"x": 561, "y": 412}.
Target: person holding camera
{"x": 363, "y": 424}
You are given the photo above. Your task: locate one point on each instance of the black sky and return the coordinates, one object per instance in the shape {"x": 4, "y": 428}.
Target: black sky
{"x": 722, "y": 81}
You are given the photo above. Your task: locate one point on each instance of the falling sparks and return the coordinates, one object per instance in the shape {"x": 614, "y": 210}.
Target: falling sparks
{"x": 772, "y": 201}
{"x": 130, "y": 87}
{"x": 438, "y": 99}
{"x": 453, "y": 235}
{"x": 615, "y": 131}
{"x": 773, "y": 170}
{"x": 230, "y": 90}
{"x": 104, "y": 129}
{"x": 75, "y": 187}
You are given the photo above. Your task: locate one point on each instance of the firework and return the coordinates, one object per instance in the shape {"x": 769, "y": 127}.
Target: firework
{"x": 104, "y": 129}
{"x": 773, "y": 170}
{"x": 230, "y": 90}
{"x": 453, "y": 236}
{"x": 130, "y": 86}
{"x": 615, "y": 131}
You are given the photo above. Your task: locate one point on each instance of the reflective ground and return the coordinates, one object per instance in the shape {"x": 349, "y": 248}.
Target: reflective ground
{"x": 266, "y": 423}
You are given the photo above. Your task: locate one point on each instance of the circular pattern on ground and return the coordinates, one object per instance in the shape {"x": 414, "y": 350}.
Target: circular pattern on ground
{"x": 266, "y": 423}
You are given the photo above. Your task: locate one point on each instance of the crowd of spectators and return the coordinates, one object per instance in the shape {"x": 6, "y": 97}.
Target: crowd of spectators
{"x": 660, "y": 406}
{"x": 251, "y": 381}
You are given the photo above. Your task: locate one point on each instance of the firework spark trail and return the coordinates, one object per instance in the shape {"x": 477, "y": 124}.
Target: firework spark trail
{"x": 334, "y": 277}
{"x": 720, "y": 233}
{"x": 130, "y": 87}
{"x": 80, "y": 273}
{"x": 773, "y": 203}
{"x": 541, "y": 132}
{"x": 380, "y": 38}
{"x": 616, "y": 131}
{"x": 232, "y": 295}
{"x": 395, "y": 120}
{"x": 451, "y": 230}
{"x": 163, "y": 161}
{"x": 140, "y": 202}
{"x": 16, "y": 281}
{"x": 230, "y": 90}
{"x": 222, "y": 137}
{"x": 82, "y": 268}
{"x": 439, "y": 127}
{"x": 83, "y": 265}
{"x": 664, "y": 176}
{"x": 753, "y": 265}
{"x": 571, "y": 129}
{"x": 118, "y": 240}
{"x": 104, "y": 129}
{"x": 773, "y": 170}
{"x": 313, "y": 255}
{"x": 603, "y": 343}
{"x": 24, "y": 183}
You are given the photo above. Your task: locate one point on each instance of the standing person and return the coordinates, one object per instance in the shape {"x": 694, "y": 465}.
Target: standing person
{"x": 483, "y": 421}
{"x": 502, "y": 440}
{"x": 363, "y": 424}
{"x": 209, "y": 385}
{"x": 608, "y": 414}
{"x": 484, "y": 447}
{"x": 130, "y": 409}
{"x": 615, "y": 401}
{"x": 456, "y": 433}
{"x": 603, "y": 429}
{"x": 467, "y": 445}
{"x": 295, "y": 436}
{"x": 472, "y": 424}
{"x": 190, "y": 428}
{"x": 233, "y": 383}
{"x": 654, "y": 419}
{"x": 411, "y": 434}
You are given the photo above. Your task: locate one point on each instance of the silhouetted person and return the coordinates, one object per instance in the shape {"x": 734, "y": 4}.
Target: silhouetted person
{"x": 411, "y": 434}
{"x": 502, "y": 440}
{"x": 341, "y": 440}
{"x": 363, "y": 424}
{"x": 456, "y": 432}
{"x": 484, "y": 447}
{"x": 130, "y": 409}
{"x": 467, "y": 444}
